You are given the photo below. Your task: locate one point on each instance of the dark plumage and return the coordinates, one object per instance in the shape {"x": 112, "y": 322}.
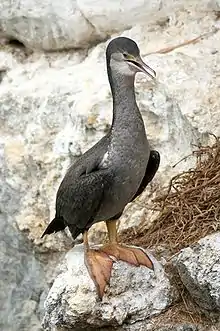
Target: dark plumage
{"x": 57, "y": 224}
{"x": 114, "y": 171}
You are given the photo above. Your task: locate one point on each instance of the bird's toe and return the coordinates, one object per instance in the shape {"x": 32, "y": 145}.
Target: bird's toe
{"x": 142, "y": 257}
{"x": 99, "y": 266}
{"x": 131, "y": 255}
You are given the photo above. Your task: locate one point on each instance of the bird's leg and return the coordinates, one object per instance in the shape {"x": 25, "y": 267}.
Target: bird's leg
{"x": 99, "y": 266}
{"x": 132, "y": 255}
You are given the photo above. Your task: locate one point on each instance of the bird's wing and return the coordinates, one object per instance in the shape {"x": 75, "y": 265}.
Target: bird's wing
{"x": 78, "y": 201}
{"x": 152, "y": 167}
{"x": 80, "y": 193}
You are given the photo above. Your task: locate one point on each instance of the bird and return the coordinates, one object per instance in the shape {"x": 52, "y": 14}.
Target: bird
{"x": 112, "y": 173}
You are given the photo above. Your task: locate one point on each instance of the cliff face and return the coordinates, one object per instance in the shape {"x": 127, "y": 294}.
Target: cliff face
{"x": 22, "y": 280}
{"x": 135, "y": 295}
{"x": 54, "y": 106}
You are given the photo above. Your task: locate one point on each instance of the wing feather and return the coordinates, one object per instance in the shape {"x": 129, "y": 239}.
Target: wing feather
{"x": 78, "y": 202}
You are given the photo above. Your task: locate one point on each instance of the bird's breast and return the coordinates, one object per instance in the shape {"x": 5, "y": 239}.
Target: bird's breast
{"x": 128, "y": 165}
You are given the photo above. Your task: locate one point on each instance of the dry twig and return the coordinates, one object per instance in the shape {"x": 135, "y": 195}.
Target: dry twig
{"x": 190, "y": 209}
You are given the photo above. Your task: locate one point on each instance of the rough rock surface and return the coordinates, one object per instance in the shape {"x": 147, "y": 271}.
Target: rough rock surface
{"x": 199, "y": 269}
{"x": 52, "y": 109}
{"x": 183, "y": 327}
{"x": 187, "y": 327}
{"x": 53, "y": 25}
{"x": 22, "y": 281}
{"x": 134, "y": 294}
{"x": 55, "y": 106}
{"x": 47, "y": 25}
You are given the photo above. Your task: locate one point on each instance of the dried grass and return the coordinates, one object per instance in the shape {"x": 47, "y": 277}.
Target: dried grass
{"x": 190, "y": 209}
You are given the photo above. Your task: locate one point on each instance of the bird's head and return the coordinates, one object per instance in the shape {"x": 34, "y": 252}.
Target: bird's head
{"x": 123, "y": 56}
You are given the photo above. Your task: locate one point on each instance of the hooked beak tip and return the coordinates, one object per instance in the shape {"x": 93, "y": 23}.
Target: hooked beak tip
{"x": 142, "y": 67}
{"x": 146, "y": 69}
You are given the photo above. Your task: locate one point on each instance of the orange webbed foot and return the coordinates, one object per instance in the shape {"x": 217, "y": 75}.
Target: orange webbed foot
{"x": 99, "y": 266}
{"x": 131, "y": 255}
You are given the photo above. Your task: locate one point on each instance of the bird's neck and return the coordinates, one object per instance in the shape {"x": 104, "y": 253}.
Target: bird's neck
{"x": 125, "y": 110}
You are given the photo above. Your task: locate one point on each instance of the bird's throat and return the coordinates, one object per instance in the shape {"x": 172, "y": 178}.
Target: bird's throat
{"x": 125, "y": 107}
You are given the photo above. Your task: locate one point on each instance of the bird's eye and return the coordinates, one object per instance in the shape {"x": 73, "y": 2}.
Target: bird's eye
{"x": 125, "y": 55}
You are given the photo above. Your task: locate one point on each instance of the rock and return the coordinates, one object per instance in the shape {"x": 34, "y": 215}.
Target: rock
{"x": 199, "y": 270}
{"x": 52, "y": 25}
{"x": 188, "y": 72}
{"x": 22, "y": 280}
{"x": 110, "y": 17}
{"x": 182, "y": 327}
{"x": 38, "y": 150}
{"x": 149, "y": 327}
{"x": 176, "y": 327}
{"x": 55, "y": 106}
{"x": 134, "y": 294}
{"x": 74, "y": 110}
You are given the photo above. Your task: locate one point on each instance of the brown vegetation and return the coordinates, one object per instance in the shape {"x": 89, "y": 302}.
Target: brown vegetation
{"x": 189, "y": 210}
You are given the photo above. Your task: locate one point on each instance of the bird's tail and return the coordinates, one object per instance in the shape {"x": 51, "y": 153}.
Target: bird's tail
{"x": 57, "y": 224}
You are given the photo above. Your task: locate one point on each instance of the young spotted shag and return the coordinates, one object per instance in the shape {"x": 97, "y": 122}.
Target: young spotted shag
{"x": 99, "y": 185}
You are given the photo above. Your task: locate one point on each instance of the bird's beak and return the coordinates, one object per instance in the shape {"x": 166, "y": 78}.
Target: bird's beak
{"x": 139, "y": 64}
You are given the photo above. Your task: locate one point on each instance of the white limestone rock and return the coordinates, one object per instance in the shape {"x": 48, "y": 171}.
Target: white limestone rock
{"x": 48, "y": 25}
{"x": 199, "y": 269}
{"x": 188, "y": 72}
{"x": 134, "y": 294}
{"x": 181, "y": 327}
{"x": 54, "y": 107}
{"x": 54, "y": 25}
{"x": 22, "y": 280}
{"x": 112, "y": 16}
